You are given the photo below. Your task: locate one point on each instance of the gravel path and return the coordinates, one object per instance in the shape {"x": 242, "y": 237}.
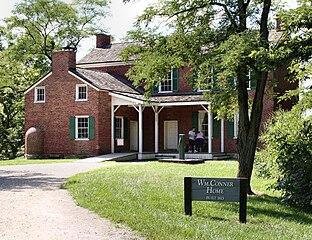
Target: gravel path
{"x": 32, "y": 206}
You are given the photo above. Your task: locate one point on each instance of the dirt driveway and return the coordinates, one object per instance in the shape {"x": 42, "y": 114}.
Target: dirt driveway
{"x": 32, "y": 206}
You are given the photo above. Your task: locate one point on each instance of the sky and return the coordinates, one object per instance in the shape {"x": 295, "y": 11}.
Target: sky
{"x": 120, "y": 20}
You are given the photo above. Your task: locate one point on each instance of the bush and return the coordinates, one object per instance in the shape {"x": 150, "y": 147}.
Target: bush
{"x": 287, "y": 157}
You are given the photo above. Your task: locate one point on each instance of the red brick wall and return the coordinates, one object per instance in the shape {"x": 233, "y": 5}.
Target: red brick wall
{"x": 53, "y": 116}
{"x": 184, "y": 86}
{"x": 282, "y": 85}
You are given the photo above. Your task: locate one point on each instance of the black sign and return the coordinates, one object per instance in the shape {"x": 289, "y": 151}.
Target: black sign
{"x": 216, "y": 189}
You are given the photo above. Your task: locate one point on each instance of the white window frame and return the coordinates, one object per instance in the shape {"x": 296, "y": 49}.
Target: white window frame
{"x": 201, "y": 113}
{"x": 236, "y": 119}
{"x": 36, "y": 95}
{"x": 122, "y": 127}
{"x": 249, "y": 79}
{"x": 77, "y": 92}
{"x": 211, "y": 80}
{"x": 76, "y": 128}
{"x": 167, "y": 91}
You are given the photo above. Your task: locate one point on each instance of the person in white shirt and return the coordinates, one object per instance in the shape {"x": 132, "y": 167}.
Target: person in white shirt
{"x": 192, "y": 137}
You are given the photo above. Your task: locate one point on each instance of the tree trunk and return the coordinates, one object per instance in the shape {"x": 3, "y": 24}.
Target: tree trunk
{"x": 248, "y": 130}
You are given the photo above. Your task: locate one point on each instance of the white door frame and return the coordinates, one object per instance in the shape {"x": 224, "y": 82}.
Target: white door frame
{"x": 165, "y": 134}
{"x": 136, "y": 136}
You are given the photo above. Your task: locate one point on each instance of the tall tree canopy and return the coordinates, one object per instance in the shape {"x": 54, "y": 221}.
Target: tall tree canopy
{"x": 38, "y": 27}
{"x": 221, "y": 40}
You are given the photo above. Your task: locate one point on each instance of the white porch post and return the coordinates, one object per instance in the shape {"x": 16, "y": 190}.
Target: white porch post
{"x": 140, "y": 129}
{"x": 112, "y": 128}
{"x": 156, "y": 111}
{"x": 210, "y": 124}
{"x": 222, "y": 135}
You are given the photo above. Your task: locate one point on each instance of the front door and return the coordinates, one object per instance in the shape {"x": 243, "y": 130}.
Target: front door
{"x": 134, "y": 135}
{"x": 170, "y": 135}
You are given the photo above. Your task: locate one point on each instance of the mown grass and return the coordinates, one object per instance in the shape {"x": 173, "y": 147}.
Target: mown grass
{"x": 149, "y": 199}
{"x": 23, "y": 161}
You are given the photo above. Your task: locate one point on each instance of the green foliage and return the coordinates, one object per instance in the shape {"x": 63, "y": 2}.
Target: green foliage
{"x": 287, "y": 157}
{"x": 40, "y": 26}
{"x": 148, "y": 198}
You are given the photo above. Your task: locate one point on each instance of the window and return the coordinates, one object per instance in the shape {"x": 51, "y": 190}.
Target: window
{"x": 81, "y": 92}
{"x": 236, "y": 118}
{"x": 203, "y": 122}
{"x": 39, "y": 94}
{"x": 167, "y": 84}
{"x": 248, "y": 81}
{"x": 206, "y": 84}
{"x": 82, "y": 128}
{"x": 119, "y": 128}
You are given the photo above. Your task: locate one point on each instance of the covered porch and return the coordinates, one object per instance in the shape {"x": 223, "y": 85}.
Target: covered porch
{"x": 151, "y": 127}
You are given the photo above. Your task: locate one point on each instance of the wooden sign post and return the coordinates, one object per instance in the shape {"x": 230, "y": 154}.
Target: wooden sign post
{"x": 216, "y": 189}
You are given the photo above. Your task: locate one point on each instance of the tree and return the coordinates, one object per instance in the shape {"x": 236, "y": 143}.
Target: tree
{"x": 38, "y": 27}
{"x": 233, "y": 37}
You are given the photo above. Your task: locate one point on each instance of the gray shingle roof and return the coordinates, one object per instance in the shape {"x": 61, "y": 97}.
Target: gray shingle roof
{"x": 173, "y": 98}
{"x": 110, "y": 53}
{"x": 106, "y": 81}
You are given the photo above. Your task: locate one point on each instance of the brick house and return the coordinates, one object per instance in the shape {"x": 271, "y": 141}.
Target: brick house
{"x": 91, "y": 108}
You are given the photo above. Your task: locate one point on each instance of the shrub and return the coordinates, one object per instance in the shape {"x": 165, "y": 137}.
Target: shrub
{"x": 287, "y": 157}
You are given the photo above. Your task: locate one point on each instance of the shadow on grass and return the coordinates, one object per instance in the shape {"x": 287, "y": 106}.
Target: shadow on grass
{"x": 258, "y": 206}
{"x": 273, "y": 207}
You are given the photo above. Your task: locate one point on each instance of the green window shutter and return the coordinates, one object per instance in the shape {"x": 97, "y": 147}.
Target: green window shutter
{"x": 175, "y": 79}
{"x": 230, "y": 128}
{"x": 216, "y": 128}
{"x": 91, "y": 127}
{"x": 126, "y": 128}
{"x": 156, "y": 89}
{"x": 72, "y": 128}
{"x": 195, "y": 120}
{"x": 253, "y": 79}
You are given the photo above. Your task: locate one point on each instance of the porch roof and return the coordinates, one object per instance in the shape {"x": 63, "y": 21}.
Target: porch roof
{"x": 184, "y": 99}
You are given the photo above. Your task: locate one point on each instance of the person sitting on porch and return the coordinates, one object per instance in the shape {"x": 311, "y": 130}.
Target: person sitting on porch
{"x": 199, "y": 141}
{"x": 192, "y": 137}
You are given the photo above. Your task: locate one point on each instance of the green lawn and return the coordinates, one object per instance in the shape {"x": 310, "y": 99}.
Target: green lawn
{"x": 23, "y": 161}
{"x": 149, "y": 199}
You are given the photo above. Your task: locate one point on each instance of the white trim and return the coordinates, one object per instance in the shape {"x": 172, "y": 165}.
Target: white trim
{"x": 107, "y": 64}
{"x": 249, "y": 80}
{"x": 166, "y": 133}
{"x": 222, "y": 135}
{"x": 131, "y": 100}
{"x": 182, "y": 103}
{"x": 211, "y": 81}
{"x": 140, "y": 129}
{"x": 122, "y": 127}
{"x": 171, "y": 78}
{"x": 76, "y": 128}
{"x": 36, "y": 94}
{"x": 235, "y": 125}
{"x": 77, "y": 93}
{"x": 84, "y": 81}
{"x": 112, "y": 129}
{"x": 37, "y": 83}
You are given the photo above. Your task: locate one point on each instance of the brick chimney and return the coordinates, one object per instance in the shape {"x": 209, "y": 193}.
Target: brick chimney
{"x": 103, "y": 40}
{"x": 64, "y": 60}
